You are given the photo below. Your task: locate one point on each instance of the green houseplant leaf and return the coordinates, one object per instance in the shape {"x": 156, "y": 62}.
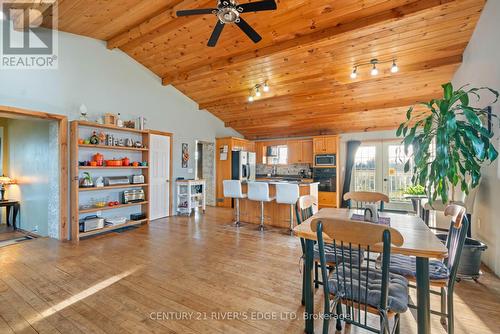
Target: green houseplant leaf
{"x": 457, "y": 132}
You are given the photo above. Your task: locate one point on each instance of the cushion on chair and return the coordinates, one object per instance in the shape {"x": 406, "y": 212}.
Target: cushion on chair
{"x": 332, "y": 258}
{"x": 406, "y": 266}
{"x": 398, "y": 288}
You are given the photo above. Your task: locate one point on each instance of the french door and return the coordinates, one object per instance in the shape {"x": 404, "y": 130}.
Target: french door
{"x": 379, "y": 166}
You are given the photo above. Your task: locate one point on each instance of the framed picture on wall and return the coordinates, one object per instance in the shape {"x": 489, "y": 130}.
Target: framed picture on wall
{"x": 185, "y": 155}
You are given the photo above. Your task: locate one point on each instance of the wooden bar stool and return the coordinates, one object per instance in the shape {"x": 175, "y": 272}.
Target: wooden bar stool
{"x": 232, "y": 189}
{"x": 259, "y": 191}
{"x": 288, "y": 193}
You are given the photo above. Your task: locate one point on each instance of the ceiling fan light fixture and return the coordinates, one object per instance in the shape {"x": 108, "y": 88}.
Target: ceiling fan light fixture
{"x": 257, "y": 92}
{"x": 374, "y": 71}
{"x": 251, "y": 99}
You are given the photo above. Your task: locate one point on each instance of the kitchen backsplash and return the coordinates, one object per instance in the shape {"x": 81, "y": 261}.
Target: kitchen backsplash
{"x": 293, "y": 169}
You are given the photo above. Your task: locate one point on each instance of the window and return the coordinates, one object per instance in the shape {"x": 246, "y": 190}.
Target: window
{"x": 364, "y": 176}
{"x": 282, "y": 157}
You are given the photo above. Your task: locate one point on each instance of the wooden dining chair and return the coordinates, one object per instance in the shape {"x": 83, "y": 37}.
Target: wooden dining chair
{"x": 354, "y": 291}
{"x": 443, "y": 274}
{"x": 365, "y": 197}
{"x": 304, "y": 210}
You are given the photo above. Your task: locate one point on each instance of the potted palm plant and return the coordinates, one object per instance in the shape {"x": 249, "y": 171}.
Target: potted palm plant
{"x": 463, "y": 141}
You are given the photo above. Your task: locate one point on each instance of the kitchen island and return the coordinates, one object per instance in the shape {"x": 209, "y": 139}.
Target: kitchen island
{"x": 277, "y": 215}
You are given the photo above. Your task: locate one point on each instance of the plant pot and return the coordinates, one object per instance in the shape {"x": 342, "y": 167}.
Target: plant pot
{"x": 470, "y": 259}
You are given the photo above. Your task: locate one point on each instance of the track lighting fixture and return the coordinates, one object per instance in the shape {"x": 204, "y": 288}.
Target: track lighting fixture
{"x": 256, "y": 91}
{"x": 374, "y": 70}
{"x": 266, "y": 87}
{"x": 354, "y": 73}
{"x": 394, "y": 68}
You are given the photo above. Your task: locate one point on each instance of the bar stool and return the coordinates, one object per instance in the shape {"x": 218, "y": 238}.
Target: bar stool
{"x": 288, "y": 193}
{"x": 232, "y": 189}
{"x": 259, "y": 191}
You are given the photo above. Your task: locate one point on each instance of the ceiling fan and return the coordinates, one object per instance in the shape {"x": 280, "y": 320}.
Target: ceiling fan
{"x": 228, "y": 11}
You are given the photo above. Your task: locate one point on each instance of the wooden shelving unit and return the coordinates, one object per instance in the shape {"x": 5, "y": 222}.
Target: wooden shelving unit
{"x": 121, "y": 186}
{"x": 112, "y": 228}
{"x": 105, "y": 208}
{"x": 78, "y": 150}
{"x": 115, "y": 148}
{"x": 120, "y": 167}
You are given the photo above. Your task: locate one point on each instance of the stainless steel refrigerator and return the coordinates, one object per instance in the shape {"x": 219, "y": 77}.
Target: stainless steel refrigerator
{"x": 243, "y": 165}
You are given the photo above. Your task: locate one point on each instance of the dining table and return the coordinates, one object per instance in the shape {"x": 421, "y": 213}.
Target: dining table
{"x": 419, "y": 241}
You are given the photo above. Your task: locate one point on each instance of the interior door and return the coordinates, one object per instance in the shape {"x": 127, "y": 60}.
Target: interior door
{"x": 159, "y": 176}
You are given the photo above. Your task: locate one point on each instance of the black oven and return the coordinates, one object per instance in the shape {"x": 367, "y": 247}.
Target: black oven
{"x": 327, "y": 178}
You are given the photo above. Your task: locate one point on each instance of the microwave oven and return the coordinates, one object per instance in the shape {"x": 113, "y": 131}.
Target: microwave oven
{"x": 325, "y": 160}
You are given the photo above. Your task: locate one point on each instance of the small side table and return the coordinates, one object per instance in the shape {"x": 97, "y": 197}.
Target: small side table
{"x": 417, "y": 203}
{"x": 8, "y": 204}
{"x": 190, "y": 195}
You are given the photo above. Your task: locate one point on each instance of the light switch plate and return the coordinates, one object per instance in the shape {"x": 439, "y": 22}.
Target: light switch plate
{"x": 190, "y": 170}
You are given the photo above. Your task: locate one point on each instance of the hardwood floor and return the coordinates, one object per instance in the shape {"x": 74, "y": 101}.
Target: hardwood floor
{"x": 116, "y": 283}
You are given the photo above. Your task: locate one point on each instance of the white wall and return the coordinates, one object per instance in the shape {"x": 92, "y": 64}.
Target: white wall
{"x": 481, "y": 67}
{"x": 110, "y": 81}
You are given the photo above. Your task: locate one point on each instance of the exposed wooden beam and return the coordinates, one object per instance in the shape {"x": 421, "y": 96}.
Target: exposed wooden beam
{"x": 408, "y": 69}
{"x": 153, "y": 23}
{"x": 307, "y": 40}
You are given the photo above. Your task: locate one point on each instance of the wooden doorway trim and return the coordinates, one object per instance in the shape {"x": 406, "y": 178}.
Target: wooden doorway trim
{"x": 171, "y": 135}
{"x": 13, "y": 112}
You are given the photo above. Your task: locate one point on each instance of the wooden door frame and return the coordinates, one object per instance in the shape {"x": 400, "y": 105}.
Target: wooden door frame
{"x": 63, "y": 158}
{"x": 171, "y": 135}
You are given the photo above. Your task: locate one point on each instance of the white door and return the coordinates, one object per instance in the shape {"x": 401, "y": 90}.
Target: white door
{"x": 379, "y": 166}
{"x": 159, "y": 176}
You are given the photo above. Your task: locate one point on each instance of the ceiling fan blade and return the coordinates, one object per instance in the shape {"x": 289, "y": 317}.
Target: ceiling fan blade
{"x": 258, "y": 6}
{"x": 195, "y": 11}
{"x": 216, "y": 34}
{"x": 254, "y": 36}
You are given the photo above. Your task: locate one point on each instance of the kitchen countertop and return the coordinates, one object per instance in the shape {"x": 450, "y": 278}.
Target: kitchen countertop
{"x": 305, "y": 182}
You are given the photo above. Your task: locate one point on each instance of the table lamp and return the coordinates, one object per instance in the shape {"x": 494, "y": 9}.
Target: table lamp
{"x": 4, "y": 180}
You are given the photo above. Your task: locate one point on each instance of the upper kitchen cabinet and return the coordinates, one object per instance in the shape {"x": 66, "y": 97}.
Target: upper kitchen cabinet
{"x": 325, "y": 145}
{"x": 243, "y": 145}
{"x": 300, "y": 151}
{"x": 260, "y": 150}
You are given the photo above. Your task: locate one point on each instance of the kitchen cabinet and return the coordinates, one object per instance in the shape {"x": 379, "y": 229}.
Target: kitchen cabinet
{"x": 260, "y": 148}
{"x": 294, "y": 151}
{"x": 327, "y": 199}
{"x": 325, "y": 145}
{"x": 300, "y": 151}
{"x": 307, "y": 151}
{"x": 223, "y": 167}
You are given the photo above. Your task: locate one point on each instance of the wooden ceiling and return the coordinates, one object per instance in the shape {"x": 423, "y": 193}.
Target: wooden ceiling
{"x": 307, "y": 53}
